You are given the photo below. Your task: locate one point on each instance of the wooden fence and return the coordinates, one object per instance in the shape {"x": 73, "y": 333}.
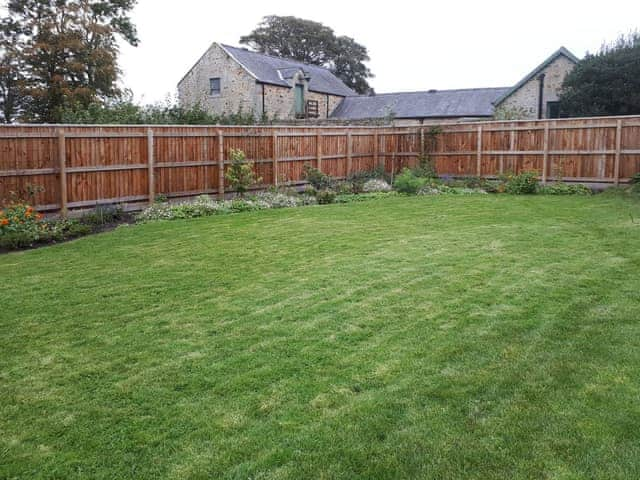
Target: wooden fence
{"x": 601, "y": 150}
{"x": 83, "y": 166}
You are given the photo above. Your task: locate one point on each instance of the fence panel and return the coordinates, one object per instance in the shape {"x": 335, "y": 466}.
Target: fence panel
{"x": 83, "y": 166}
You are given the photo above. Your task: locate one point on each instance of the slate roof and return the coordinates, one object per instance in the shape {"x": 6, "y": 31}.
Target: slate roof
{"x": 276, "y": 71}
{"x": 561, "y": 51}
{"x": 471, "y": 102}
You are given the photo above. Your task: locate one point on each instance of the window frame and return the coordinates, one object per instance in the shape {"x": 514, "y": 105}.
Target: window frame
{"x": 213, "y": 92}
{"x": 554, "y": 104}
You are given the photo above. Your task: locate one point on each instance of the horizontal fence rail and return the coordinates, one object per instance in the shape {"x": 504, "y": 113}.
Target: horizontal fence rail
{"x": 84, "y": 166}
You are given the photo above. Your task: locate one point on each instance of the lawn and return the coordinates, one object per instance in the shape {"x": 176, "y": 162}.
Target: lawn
{"x": 484, "y": 337}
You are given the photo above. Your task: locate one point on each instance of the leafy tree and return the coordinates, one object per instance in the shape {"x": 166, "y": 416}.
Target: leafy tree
{"x": 313, "y": 43}
{"x": 11, "y": 77}
{"x": 68, "y": 51}
{"x": 605, "y": 83}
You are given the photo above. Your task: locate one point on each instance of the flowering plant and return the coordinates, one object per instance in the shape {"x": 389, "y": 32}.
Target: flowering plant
{"x": 20, "y": 217}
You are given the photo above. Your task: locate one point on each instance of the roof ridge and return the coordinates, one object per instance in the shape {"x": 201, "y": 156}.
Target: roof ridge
{"x": 430, "y": 91}
{"x": 276, "y": 57}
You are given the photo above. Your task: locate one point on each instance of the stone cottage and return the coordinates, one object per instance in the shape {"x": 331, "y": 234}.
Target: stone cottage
{"x": 228, "y": 79}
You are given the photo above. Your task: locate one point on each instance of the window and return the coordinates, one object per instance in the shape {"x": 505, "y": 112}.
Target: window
{"x": 299, "y": 99}
{"x": 553, "y": 109}
{"x": 214, "y": 86}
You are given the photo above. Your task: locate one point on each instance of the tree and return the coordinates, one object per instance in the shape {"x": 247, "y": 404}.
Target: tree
{"x": 313, "y": 43}
{"x": 605, "y": 83}
{"x": 11, "y": 78}
{"x": 68, "y": 52}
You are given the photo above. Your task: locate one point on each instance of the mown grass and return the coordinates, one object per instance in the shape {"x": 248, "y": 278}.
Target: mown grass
{"x": 484, "y": 337}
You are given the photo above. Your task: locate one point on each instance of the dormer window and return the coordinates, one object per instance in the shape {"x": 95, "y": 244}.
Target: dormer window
{"x": 214, "y": 86}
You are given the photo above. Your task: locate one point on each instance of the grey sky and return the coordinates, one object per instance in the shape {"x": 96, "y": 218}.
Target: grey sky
{"x": 413, "y": 45}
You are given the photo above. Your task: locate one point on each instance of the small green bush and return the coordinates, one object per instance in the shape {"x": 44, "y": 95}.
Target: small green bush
{"x": 376, "y": 185}
{"x": 425, "y": 168}
{"x": 474, "y": 182}
{"x": 564, "y": 189}
{"x": 359, "y": 179}
{"x": 407, "y": 182}
{"x": 240, "y": 174}
{"x": 635, "y": 184}
{"x": 103, "y": 215}
{"x": 363, "y": 197}
{"x": 523, "y": 184}
{"x": 319, "y": 180}
{"x": 325, "y": 196}
{"x": 344, "y": 188}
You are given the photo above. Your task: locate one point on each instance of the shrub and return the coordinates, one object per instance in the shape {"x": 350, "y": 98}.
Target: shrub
{"x": 425, "y": 168}
{"x": 493, "y": 186}
{"x": 316, "y": 178}
{"x": 473, "y": 182}
{"x": 565, "y": 189}
{"x": 635, "y": 180}
{"x": 203, "y": 206}
{"x": 407, "y": 182}
{"x": 310, "y": 191}
{"x": 278, "y": 200}
{"x": 325, "y": 196}
{"x": 437, "y": 189}
{"x": 344, "y": 188}
{"x": 376, "y": 185}
{"x": 362, "y": 197}
{"x": 103, "y": 215}
{"x": 523, "y": 184}
{"x": 358, "y": 179}
{"x": 240, "y": 174}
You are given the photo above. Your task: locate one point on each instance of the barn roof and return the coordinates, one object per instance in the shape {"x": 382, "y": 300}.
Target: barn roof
{"x": 470, "y": 102}
{"x": 276, "y": 71}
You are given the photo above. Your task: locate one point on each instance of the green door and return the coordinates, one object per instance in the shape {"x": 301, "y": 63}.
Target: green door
{"x": 299, "y": 99}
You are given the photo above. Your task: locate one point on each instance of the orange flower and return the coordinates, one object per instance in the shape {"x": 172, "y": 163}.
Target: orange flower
{"x": 4, "y": 221}
{"x": 39, "y": 216}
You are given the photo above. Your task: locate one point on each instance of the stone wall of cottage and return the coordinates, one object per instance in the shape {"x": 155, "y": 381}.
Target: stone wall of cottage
{"x": 525, "y": 99}
{"x": 323, "y": 99}
{"x": 237, "y": 88}
{"x": 280, "y": 101}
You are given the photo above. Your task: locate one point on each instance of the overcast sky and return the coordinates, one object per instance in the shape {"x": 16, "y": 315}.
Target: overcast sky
{"x": 412, "y": 45}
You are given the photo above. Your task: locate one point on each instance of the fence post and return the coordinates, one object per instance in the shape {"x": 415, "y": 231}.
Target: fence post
{"x": 616, "y": 165}
{"x": 393, "y": 153}
{"x": 422, "y": 149}
{"x": 376, "y": 160}
{"x": 274, "y": 168}
{"x": 205, "y": 151}
{"x": 220, "y": 165}
{"x": 545, "y": 153}
{"x": 318, "y": 149}
{"x": 62, "y": 162}
{"x": 349, "y": 155}
{"x": 151, "y": 167}
{"x": 479, "y": 152}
